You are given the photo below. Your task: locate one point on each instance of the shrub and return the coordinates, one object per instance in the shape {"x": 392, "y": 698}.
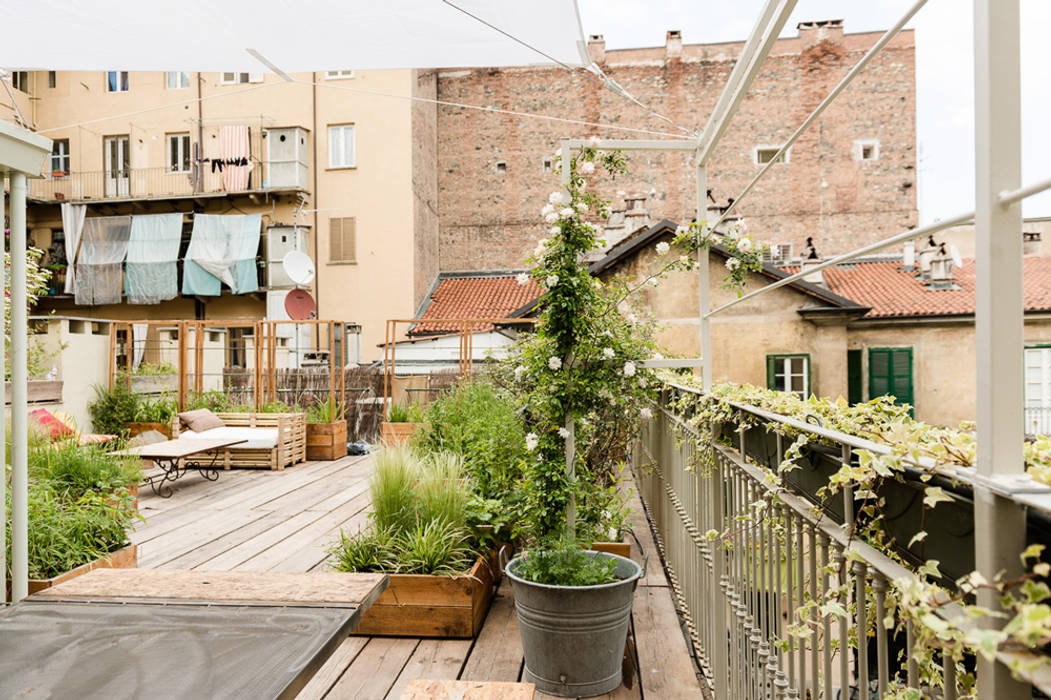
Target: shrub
{"x": 328, "y": 411}
{"x": 113, "y": 408}
{"x": 392, "y": 489}
{"x": 77, "y": 469}
{"x": 433, "y": 547}
{"x": 405, "y": 414}
{"x": 565, "y": 564}
{"x": 367, "y": 550}
{"x": 160, "y": 410}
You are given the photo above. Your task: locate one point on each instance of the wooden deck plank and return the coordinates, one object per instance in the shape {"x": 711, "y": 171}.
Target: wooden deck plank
{"x": 641, "y": 526}
{"x": 313, "y": 555}
{"x": 373, "y": 672}
{"x": 307, "y": 497}
{"x": 665, "y": 667}
{"x": 333, "y": 669}
{"x": 427, "y": 689}
{"x": 199, "y": 555}
{"x": 235, "y": 556}
{"x": 497, "y": 652}
{"x": 194, "y": 534}
{"x": 434, "y": 659}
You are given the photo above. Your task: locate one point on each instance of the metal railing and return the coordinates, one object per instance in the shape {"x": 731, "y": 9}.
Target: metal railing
{"x": 751, "y": 562}
{"x": 1038, "y": 420}
{"x": 135, "y": 183}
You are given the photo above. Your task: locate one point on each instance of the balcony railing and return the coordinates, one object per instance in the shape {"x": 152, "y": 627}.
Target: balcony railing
{"x": 1038, "y": 420}
{"x": 749, "y": 558}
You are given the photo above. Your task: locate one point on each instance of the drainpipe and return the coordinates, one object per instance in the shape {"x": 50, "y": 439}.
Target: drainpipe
{"x": 200, "y": 140}
{"x": 317, "y": 205}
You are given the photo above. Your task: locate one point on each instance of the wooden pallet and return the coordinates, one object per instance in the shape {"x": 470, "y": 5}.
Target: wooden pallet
{"x": 291, "y": 445}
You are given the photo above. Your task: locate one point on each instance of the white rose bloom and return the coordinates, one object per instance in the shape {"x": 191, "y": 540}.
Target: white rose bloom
{"x": 658, "y": 356}
{"x": 652, "y": 282}
{"x": 554, "y": 363}
{"x": 663, "y": 248}
{"x": 593, "y": 141}
{"x": 733, "y": 263}
{"x": 645, "y": 413}
{"x": 555, "y": 198}
{"x": 522, "y": 278}
{"x": 744, "y": 244}
{"x": 684, "y": 259}
{"x": 681, "y": 230}
{"x": 632, "y": 318}
{"x": 532, "y": 441}
{"x": 554, "y": 230}
{"x": 629, "y": 369}
{"x": 548, "y": 208}
{"x": 609, "y": 353}
{"x": 587, "y": 167}
{"x": 643, "y": 383}
{"x": 520, "y": 371}
{"x": 551, "y": 217}
{"x": 563, "y": 432}
{"x": 551, "y": 281}
{"x": 566, "y": 212}
{"x": 581, "y": 207}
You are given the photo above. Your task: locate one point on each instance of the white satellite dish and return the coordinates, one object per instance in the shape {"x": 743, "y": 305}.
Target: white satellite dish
{"x": 299, "y": 267}
{"x": 957, "y": 260}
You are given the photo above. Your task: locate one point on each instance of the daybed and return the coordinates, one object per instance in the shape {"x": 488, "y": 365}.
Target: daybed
{"x": 273, "y": 440}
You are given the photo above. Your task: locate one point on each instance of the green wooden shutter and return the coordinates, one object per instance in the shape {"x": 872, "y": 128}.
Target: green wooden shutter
{"x": 854, "y": 379}
{"x": 770, "y": 360}
{"x": 890, "y": 373}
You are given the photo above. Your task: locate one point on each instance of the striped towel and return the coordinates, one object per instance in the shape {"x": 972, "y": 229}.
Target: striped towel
{"x": 233, "y": 144}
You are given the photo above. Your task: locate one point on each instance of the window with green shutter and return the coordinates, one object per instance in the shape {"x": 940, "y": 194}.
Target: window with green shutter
{"x": 854, "y": 378}
{"x": 890, "y": 374}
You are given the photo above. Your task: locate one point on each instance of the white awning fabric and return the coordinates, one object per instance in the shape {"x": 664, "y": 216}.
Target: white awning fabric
{"x": 311, "y": 35}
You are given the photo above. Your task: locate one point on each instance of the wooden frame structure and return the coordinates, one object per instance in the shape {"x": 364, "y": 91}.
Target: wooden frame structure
{"x": 291, "y": 447}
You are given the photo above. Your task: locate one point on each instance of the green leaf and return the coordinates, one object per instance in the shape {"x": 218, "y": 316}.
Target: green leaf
{"x": 918, "y": 537}
{"x": 933, "y": 495}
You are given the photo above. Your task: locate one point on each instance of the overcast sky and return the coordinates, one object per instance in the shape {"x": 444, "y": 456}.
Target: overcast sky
{"x": 944, "y": 68}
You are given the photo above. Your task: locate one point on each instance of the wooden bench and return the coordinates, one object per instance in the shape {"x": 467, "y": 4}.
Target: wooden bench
{"x": 423, "y": 689}
{"x": 291, "y": 447}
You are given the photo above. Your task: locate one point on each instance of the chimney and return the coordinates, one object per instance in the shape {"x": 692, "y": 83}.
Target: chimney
{"x": 941, "y": 270}
{"x": 672, "y": 44}
{"x": 597, "y": 48}
{"x": 823, "y": 30}
{"x": 810, "y": 260}
{"x": 909, "y": 256}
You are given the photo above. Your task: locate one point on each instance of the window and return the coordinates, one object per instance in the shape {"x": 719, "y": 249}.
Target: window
{"x": 866, "y": 149}
{"x": 789, "y": 373}
{"x": 548, "y": 165}
{"x": 178, "y": 153}
{"x": 778, "y": 254}
{"x": 338, "y": 74}
{"x": 501, "y": 166}
{"x": 20, "y": 80}
{"x": 239, "y": 78}
{"x": 176, "y": 80}
{"x": 1038, "y": 390}
{"x": 52, "y": 78}
{"x": 890, "y": 374}
{"x": 60, "y": 158}
{"x": 765, "y": 154}
{"x": 117, "y": 81}
{"x": 341, "y": 146}
{"x": 342, "y": 240}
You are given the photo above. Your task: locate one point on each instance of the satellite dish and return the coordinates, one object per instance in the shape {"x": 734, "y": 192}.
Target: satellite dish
{"x": 299, "y": 267}
{"x": 299, "y": 305}
{"x": 955, "y": 253}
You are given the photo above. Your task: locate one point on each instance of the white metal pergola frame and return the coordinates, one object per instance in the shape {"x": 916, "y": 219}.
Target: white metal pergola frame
{"x": 999, "y": 480}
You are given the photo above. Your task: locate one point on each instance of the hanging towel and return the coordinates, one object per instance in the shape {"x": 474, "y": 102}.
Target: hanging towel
{"x": 138, "y": 340}
{"x": 103, "y": 247}
{"x": 72, "y": 227}
{"x": 151, "y": 275}
{"x": 222, "y": 250}
{"x": 234, "y": 148}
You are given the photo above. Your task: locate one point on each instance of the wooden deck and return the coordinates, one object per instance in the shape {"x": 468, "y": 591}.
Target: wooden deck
{"x": 253, "y": 520}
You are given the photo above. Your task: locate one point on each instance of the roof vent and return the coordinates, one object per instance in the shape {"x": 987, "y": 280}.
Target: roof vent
{"x": 810, "y": 259}
{"x": 673, "y": 44}
{"x": 909, "y": 256}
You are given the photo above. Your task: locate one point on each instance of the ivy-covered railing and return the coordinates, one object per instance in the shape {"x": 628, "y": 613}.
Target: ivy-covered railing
{"x": 788, "y": 542}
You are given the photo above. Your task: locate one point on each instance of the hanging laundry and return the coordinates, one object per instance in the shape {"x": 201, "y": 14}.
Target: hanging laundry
{"x": 151, "y": 275}
{"x": 104, "y": 244}
{"x": 222, "y": 250}
{"x": 234, "y": 152}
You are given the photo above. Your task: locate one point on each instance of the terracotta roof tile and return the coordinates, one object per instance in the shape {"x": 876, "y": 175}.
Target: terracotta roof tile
{"x": 893, "y": 292}
{"x": 474, "y": 297}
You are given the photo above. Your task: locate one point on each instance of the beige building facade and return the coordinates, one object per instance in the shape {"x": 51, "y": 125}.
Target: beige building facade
{"x": 336, "y": 171}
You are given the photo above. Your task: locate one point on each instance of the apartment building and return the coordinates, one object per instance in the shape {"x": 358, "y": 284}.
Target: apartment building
{"x": 328, "y": 164}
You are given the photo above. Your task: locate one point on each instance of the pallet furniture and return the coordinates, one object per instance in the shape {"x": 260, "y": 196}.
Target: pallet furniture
{"x": 291, "y": 447}
{"x": 180, "y": 634}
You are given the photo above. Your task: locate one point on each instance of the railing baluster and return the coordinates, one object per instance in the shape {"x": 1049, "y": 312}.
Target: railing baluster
{"x": 844, "y": 647}
{"x": 948, "y": 676}
{"x": 879, "y": 584}
{"x": 814, "y": 640}
{"x": 860, "y": 571}
{"x": 801, "y": 601}
{"x": 826, "y": 631}
{"x": 790, "y": 597}
{"x": 910, "y": 646}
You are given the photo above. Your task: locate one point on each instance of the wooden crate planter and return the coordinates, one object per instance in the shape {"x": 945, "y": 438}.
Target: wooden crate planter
{"x": 418, "y": 605}
{"x": 291, "y": 445}
{"x": 135, "y": 429}
{"x": 326, "y": 441}
{"x": 127, "y": 558}
{"x": 398, "y": 433}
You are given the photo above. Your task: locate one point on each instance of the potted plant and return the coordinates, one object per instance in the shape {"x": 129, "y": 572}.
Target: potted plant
{"x": 326, "y": 431}
{"x": 401, "y": 424}
{"x": 152, "y": 414}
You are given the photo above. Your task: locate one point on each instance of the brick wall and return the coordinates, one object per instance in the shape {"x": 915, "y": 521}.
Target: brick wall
{"x": 424, "y": 186}
{"x": 489, "y": 216}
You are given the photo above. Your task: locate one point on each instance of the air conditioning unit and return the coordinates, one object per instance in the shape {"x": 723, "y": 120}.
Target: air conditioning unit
{"x": 281, "y": 240}
{"x": 286, "y": 158}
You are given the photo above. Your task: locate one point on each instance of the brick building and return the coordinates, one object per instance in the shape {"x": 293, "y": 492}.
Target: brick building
{"x": 849, "y": 179}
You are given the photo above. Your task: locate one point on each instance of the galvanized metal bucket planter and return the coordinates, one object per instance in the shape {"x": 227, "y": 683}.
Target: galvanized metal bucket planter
{"x": 573, "y": 636}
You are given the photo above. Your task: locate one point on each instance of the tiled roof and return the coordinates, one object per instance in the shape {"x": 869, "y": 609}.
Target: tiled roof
{"x": 474, "y": 296}
{"x": 892, "y": 292}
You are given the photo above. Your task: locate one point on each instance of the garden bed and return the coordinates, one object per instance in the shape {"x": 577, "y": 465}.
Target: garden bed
{"x": 126, "y": 558}
{"x": 326, "y": 441}
{"x": 138, "y": 428}
{"x": 419, "y": 605}
{"x": 398, "y": 433}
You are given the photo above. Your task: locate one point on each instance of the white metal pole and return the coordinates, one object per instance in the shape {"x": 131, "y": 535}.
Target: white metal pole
{"x": 999, "y": 523}
{"x": 571, "y": 458}
{"x": 3, "y": 423}
{"x": 704, "y": 299}
{"x": 19, "y": 395}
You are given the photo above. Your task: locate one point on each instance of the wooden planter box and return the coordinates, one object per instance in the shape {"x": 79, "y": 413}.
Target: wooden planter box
{"x": 397, "y": 433}
{"x": 418, "y": 605}
{"x": 164, "y": 429}
{"x": 326, "y": 441}
{"x": 38, "y": 391}
{"x": 127, "y": 558}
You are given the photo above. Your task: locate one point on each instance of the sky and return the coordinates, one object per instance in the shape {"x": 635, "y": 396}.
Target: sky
{"x": 944, "y": 74}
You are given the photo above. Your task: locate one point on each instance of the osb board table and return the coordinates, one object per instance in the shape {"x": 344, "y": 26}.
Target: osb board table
{"x": 422, "y": 689}
{"x": 176, "y": 457}
{"x": 187, "y": 634}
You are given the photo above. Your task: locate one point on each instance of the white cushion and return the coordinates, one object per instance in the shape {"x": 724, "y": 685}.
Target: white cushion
{"x": 257, "y": 438}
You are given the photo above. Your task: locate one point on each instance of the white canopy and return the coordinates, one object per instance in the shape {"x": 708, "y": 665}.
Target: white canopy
{"x": 309, "y": 35}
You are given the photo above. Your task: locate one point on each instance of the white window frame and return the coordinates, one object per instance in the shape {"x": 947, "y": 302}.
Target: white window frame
{"x": 782, "y": 367}
{"x": 122, "y": 81}
{"x": 239, "y": 78}
{"x": 181, "y": 143}
{"x": 337, "y": 144}
{"x": 339, "y": 74}
{"x": 779, "y": 257}
{"x": 63, "y": 157}
{"x": 859, "y": 149}
{"x": 176, "y": 80}
{"x": 547, "y": 165}
{"x": 770, "y": 147}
